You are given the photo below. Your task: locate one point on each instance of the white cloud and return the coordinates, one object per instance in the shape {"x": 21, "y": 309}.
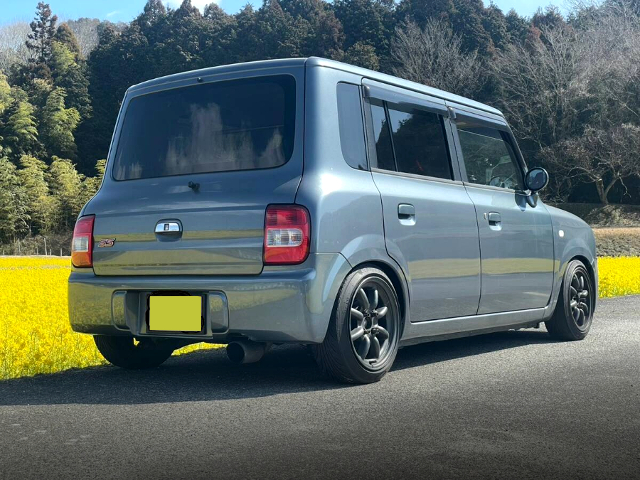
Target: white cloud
{"x": 200, "y": 4}
{"x": 111, "y": 14}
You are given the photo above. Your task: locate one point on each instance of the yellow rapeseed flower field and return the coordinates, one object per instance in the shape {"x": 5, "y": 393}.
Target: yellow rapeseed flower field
{"x": 619, "y": 276}
{"x": 35, "y": 336}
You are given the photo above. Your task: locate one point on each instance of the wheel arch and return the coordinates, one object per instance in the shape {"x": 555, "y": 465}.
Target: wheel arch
{"x": 592, "y": 274}
{"x": 399, "y": 284}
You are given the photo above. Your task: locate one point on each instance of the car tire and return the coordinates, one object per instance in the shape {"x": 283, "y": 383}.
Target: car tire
{"x": 124, "y": 352}
{"x": 363, "y": 335}
{"x": 574, "y": 312}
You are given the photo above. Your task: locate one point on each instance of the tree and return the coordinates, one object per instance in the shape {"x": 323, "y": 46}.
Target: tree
{"x": 71, "y": 76}
{"x": 66, "y": 37}
{"x": 43, "y": 29}
{"x": 517, "y": 27}
{"x": 59, "y": 124}
{"x": 542, "y": 86}
{"x": 66, "y": 187}
{"x": 40, "y": 204}
{"x": 362, "y": 55}
{"x": 5, "y": 102}
{"x": 602, "y": 157}
{"x": 369, "y": 22}
{"x": 86, "y": 32}
{"x": 433, "y": 56}
{"x": 13, "y": 50}
{"x": 319, "y": 28}
{"x": 13, "y": 204}
{"x": 20, "y": 132}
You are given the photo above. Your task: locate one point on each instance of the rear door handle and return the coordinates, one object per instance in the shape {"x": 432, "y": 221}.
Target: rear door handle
{"x": 406, "y": 210}
{"x": 407, "y": 214}
{"x": 494, "y": 218}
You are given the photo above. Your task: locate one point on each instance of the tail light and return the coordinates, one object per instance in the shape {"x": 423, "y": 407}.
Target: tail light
{"x": 286, "y": 235}
{"x": 82, "y": 243}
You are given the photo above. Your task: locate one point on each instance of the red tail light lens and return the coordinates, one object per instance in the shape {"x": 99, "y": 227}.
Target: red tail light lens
{"x": 82, "y": 243}
{"x": 286, "y": 235}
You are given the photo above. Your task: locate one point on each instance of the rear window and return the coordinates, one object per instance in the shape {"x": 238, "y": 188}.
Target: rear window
{"x": 215, "y": 127}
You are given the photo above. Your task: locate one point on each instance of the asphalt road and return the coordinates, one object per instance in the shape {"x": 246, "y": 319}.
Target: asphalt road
{"x": 513, "y": 404}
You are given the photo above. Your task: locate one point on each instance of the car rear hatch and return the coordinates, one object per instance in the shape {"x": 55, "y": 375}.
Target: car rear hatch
{"x": 192, "y": 170}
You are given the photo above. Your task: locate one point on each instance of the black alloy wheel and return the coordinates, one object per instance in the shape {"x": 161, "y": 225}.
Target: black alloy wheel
{"x": 574, "y": 311}
{"x": 370, "y": 336}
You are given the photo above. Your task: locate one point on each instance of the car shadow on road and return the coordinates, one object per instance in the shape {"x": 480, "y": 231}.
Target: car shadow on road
{"x": 209, "y": 376}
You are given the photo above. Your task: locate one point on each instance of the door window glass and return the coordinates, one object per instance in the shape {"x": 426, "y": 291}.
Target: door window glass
{"x": 489, "y": 157}
{"x": 381, "y": 136}
{"x": 419, "y": 142}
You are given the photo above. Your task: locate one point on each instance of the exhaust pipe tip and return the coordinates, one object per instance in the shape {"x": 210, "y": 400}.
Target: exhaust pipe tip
{"x": 246, "y": 351}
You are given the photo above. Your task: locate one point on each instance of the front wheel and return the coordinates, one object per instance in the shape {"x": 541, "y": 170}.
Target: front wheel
{"x": 574, "y": 311}
{"x": 126, "y": 352}
{"x": 362, "y": 340}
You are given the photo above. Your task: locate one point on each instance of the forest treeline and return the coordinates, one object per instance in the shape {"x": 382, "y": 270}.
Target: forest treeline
{"x": 569, "y": 85}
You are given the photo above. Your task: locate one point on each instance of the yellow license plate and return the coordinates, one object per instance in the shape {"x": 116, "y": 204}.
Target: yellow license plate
{"x": 175, "y": 313}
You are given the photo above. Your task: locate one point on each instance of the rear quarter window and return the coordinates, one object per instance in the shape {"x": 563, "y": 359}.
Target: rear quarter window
{"x": 242, "y": 124}
{"x": 351, "y": 126}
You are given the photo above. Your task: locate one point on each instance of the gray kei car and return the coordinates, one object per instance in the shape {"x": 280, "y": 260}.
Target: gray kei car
{"x": 312, "y": 202}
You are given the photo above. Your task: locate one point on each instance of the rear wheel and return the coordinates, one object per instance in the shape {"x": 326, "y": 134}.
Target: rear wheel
{"x": 574, "y": 311}
{"x": 362, "y": 340}
{"x": 126, "y": 352}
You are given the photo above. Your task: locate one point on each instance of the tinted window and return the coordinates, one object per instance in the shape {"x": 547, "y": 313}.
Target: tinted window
{"x": 381, "y": 136}
{"x": 215, "y": 127}
{"x": 419, "y": 142}
{"x": 488, "y": 156}
{"x": 351, "y": 127}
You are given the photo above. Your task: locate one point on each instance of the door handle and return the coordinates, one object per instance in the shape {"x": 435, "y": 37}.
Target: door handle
{"x": 168, "y": 227}
{"x": 407, "y": 214}
{"x": 494, "y": 218}
{"x": 406, "y": 211}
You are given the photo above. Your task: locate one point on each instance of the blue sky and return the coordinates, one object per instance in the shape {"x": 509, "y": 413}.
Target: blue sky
{"x": 125, "y": 10}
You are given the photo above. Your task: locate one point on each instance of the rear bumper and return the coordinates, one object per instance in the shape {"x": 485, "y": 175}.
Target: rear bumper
{"x": 282, "y": 304}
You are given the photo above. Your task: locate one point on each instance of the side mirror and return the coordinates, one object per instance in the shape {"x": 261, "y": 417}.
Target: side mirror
{"x": 536, "y": 179}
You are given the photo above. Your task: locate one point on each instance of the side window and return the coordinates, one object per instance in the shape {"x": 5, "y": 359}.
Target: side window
{"x": 419, "y": 142}
{"x": 381, "y": 136}
{"x": 351, "y": 126}
{"x": 488, "y": 156}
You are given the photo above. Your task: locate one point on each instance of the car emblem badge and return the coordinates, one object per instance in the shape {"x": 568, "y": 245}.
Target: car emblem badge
{"x": 106, "y": 242}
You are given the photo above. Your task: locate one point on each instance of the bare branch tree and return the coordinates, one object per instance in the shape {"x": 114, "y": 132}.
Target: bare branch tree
{"x": 86, "y": 32}
{"x": 12, "y": 45}
{"x": 604, "y": 157}
{"x": 433, "y": 56}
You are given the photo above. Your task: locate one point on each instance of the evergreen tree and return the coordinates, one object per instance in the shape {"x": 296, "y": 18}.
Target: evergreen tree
{"x": 368, "y": 22}
{"x": 495, "y": 23}
{"x": 66, "y": 37}
{"x": 5, "y": 102}
{"x": 20, "y": 132}
{"x": 66, "y": 187}
{"x": 43, "y": 29}
{"x": 362, "y": 55}
{"x": 517, "y": 27}
{"x": 59, "y": 124}
{"x": 321, "y": 31}
{"x": 71, "y": 76}
{"x": 14, "y": 217}
{"x": 40, "y": 204}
